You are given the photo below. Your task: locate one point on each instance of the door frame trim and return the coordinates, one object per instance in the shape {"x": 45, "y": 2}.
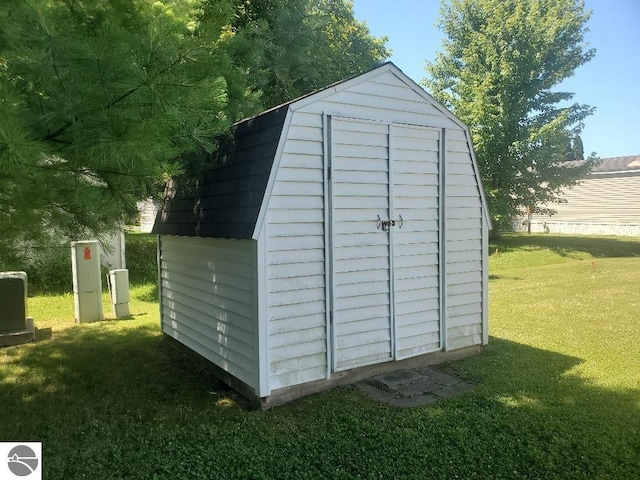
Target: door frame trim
{"x": 329, "y": 267}
{"x": 442, "y": 237}
{"x": 392, "y": 276}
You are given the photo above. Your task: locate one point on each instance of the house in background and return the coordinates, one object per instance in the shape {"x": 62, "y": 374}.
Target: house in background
{"x": 335, "y": 237}
{"x": 606, "y": 202}
{"x": 148, "y": 209}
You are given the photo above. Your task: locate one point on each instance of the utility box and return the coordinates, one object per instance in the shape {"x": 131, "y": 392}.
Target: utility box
{"x": 15, "y": 327}
{"x": 87, "y": 281}
{"x": 118, "y": 281}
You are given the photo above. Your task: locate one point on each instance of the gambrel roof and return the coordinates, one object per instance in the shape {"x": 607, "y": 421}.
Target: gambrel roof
{"x": 228, "y": 200}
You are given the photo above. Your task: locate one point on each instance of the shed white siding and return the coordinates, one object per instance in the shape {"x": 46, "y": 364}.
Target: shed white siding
{"x": 295, "y": 258}
{"x": 383, "y": 97}
{"x": 383, "y": 120}
{"x": 464, "y": 252}
{"x": 362, "y": 333}
{"x": 415, "y": 157}
{"x": 207, "y": 289}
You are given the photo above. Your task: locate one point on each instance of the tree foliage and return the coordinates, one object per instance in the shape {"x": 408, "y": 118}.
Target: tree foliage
{"x": 500, "y": 62}
{"x": 578, "y": 148}
{"x": 575, "y": 149}
{"x": 292, "y": 47}
{"x": 98, "y": 100}
{"x": 102, "y": 100}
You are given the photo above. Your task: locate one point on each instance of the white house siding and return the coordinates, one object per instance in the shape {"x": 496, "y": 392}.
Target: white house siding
{"x": 463, "y": 234}
{"x": 207, "y": 289}
{"x": 148, "y": 210}
{"x": 598, "y": 205}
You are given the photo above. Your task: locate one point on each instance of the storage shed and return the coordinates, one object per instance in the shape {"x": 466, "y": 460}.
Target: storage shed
{"x": 334, "y": 237}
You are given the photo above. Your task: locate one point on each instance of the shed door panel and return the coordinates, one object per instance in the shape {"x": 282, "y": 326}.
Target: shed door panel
{"x": 361, "y": 276}
{"x": 415, "y": 243}
{"x": 385, "y": 283}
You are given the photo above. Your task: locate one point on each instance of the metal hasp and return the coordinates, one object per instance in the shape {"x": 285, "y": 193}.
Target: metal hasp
{"x": 384, "y": 225}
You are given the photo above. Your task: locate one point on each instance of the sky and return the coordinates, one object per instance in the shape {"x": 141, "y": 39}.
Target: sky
{"x": 610, "y": 82}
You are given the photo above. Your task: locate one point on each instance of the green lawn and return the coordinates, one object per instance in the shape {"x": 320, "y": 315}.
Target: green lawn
{"x": 557, "y": 391}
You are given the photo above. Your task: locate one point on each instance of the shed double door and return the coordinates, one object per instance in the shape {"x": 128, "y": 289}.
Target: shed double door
{"x": 384, "y": 269}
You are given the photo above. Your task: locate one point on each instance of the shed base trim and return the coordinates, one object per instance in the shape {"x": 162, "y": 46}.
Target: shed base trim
{"x": 347, "y": 377}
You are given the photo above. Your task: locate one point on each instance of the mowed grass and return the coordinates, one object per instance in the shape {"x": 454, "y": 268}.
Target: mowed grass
{"x": 557, "y": 392}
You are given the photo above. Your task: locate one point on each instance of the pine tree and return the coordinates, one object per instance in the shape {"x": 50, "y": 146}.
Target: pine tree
{"x": 102, "y": 100}
{"x": 99, "y": 100}
{"x": 578, "y": 148}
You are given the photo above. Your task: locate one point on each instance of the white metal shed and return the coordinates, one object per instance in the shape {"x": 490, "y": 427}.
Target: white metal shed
{"x": 334, "y": 237}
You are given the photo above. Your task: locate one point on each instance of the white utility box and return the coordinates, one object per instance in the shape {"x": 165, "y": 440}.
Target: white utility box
{"x": 87, "y": 281}
{"x": 118, "y": 281}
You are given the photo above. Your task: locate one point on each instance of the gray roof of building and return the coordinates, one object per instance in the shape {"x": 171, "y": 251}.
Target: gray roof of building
{"x": 619, "y": 165}
{"x": 224, "y": 201}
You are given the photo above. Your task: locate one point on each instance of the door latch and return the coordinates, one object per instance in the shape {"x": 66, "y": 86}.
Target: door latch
{"x": 384, "y": 225}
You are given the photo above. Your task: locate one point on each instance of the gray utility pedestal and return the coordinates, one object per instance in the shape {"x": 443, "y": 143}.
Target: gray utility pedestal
{"x": 15, "y": 327}
{"x": 118, "y": 281}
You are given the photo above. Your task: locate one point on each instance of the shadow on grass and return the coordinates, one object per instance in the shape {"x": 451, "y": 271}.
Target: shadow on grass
{"x": 567, "y": 245}
{"x": 531, "y": 403}
{"x": 106, "y": 366}
{"x": 493, "y": 276}
{"x": 123, "y": 404}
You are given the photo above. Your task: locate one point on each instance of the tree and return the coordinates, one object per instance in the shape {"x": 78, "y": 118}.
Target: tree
{"x": 578, "y": 148}
{"x": 98, "y": 101}
{"x": 102, "y": 100}
{"x": 292, "y": 47}
{"x": 500, "y": 62}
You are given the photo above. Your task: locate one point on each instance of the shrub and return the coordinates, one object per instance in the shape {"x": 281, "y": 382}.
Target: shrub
{"x": 48, "y": 267}
{"x": 141, "y": 258}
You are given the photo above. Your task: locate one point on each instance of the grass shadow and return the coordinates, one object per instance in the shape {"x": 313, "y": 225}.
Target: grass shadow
{"x": 493, "y": 276}
{"x": 122, "y": 403}
{"x": 110, "y": 365}
{"x": 567, "y": 245}
{"x": 530, "y": 403}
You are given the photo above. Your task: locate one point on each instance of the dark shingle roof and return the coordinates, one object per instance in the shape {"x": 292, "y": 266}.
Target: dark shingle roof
{"x": 225, "y": 200}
